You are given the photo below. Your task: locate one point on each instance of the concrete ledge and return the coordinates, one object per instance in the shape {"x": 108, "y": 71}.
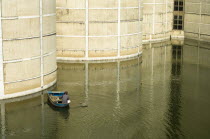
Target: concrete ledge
{"x": 108, "y": 59}
{"x": 28, "y": 92}
{"x": 197, "y": 39}
{"x": 155, "y": 40}
{"x": 178, "y": 37}
{"x": 101, "y": 61}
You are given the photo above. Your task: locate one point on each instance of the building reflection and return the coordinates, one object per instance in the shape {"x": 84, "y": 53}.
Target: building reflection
{"x": 24, "y": 115}
{"x": 109, "y": 78}
{"x": 196, "y": 52}
{"x": 155, "y": 79}
{"x": 140, "y": 95}
{"x": 173, "y": 126}
{"x": 195, "y": 79}
{"x": 103, "y": 86}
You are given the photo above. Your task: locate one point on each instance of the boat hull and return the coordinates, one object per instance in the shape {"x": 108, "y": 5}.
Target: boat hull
{"x": 53, "y": 97}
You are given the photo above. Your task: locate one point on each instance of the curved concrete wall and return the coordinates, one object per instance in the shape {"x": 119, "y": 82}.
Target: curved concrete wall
{"x": 27, "y": 48}
{"x": 95, "y": 30}
{"x": 197, "y": 20}
{"x": 157, "y": 19}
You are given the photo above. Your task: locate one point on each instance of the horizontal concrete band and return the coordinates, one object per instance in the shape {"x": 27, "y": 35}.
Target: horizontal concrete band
{"x": 156, "y": 3}
{"x": 68, "y": 36}
{"x": 26, "y": 17}
{"x": 157, "y": 33}
{"x": 114, "y": 21}
{"x": 26, "y": 59}
{"x": 197, "y": 3}
{"x": 155, "y": 40}
{"x": 198, "y": 13}
{"x": 44, "y": 35}
{"x": 32, "y": 78}
{"x": 113, "y": 49}
{"x": 197, "y": 23}
{"x": 197, "y": 33}
{"x": 60, "y": 59}
{"x": 177, "y": 36}
{"x": 196, "y": 38}
{"x": 163, "y": 12}
{"x": 156, "y": 22}
{"x": 28, "y": 92}
{"x": 113, "y": 8}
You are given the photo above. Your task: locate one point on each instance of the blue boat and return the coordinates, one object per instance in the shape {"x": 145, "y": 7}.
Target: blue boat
{"x": 54, "y": 98}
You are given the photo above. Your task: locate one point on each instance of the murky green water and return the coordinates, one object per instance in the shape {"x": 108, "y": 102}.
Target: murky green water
{"x": 163, "y": 94}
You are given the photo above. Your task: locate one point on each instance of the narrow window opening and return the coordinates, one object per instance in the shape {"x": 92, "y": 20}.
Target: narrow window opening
{"x": 178, "y": 22}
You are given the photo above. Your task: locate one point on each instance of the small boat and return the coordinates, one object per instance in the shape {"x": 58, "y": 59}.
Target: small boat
{"x": 54, "y": 98}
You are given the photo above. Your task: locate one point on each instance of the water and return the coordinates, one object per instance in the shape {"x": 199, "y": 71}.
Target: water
{"x": 163, "y": 94}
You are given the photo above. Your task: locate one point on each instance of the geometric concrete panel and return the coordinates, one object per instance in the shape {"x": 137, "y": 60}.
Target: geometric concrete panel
{"x": 12, "y": 8}
{"x": 20, "y": 49}
{"x": 49, "y": 25}
{"x": 48, "y": 6}
{"x": 49, "y": 64}
{"x": 71, "y": 3}
{"x": 22, "y": 70}
{"x": 105, "y": 29}
{"x": 22, "y": 86}
{"x": 103, "y": 3}
{"x": 20, "y": 28}
{"x": 49, "y": 44}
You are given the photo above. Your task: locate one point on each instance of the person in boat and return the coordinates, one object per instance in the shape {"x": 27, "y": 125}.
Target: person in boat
{"x": 65, "y": 98}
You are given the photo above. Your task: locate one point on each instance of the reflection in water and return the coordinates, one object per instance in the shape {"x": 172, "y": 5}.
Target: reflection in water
{"x": 196, "y": 52}
{"x": 163, "y": 94}
{"x": 174, "y": 112}
{"x": 64, "y": 112}
{"x": 3, "y": 128}
{"x": 107, "y": 87}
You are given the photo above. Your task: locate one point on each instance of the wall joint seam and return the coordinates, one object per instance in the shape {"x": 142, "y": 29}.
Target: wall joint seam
{"x": 1, "y": 56}
{"x": 119, "y": 28}
{"x": 86, "y": 28}
{"x": 41, "y": 43}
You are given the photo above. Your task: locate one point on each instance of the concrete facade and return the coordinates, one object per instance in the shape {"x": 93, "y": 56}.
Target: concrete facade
{"x": 27, "y": 46}
{"x": 197, "y": 19}
{"x": 157, "y": 19}
{"x": 97, "y": 29}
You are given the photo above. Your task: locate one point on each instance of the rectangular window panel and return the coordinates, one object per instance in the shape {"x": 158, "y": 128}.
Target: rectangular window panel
{"x": 175, "y": 8}
{"x": 178, "y": 23}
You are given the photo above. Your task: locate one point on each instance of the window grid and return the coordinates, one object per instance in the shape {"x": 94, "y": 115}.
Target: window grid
{"x": 178, "y": 22}
{"x": 178, "y": 5}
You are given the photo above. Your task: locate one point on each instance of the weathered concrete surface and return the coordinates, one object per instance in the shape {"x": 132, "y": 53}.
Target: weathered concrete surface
{"x": 197, "y": 20}
{"x": 157, "y": 19}
{"x": 28, "y": 51}
{"x": 98, "y": 29}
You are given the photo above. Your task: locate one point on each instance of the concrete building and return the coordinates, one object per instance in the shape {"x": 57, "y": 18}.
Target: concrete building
{"x": 27, "y": 46}
{"x": 98, "y": 29}
{"x": 197, "y": 19}
{"x": 157, "y": 19}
